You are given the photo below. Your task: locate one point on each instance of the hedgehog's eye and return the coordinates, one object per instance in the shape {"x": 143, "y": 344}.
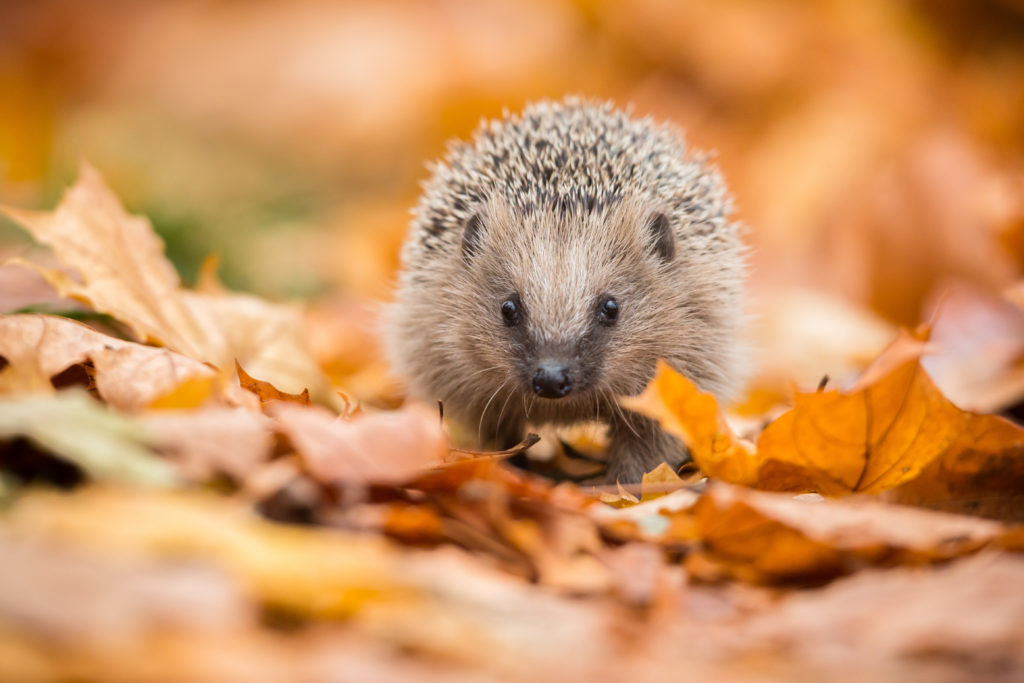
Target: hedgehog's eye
{"x": 607, "y": 310}
{"x": 510, "y": 310}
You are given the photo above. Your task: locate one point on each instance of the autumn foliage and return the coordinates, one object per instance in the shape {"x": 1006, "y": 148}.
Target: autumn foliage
{"x": 199, "y": 484}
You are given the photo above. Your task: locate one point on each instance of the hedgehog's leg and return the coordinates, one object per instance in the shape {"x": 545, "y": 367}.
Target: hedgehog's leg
{"x": 637, "y": 445}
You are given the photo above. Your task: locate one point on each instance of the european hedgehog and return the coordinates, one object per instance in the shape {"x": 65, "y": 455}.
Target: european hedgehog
{"x": 552, "y": 261}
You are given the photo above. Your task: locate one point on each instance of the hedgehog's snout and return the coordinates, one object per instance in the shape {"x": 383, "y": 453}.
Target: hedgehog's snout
{"x": 552, "y": 380}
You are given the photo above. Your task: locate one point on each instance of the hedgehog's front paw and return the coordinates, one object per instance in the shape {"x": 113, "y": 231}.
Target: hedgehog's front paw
{"x": 639, "y": 445}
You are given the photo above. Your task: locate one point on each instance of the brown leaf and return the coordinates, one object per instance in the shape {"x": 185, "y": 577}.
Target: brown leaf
{"x": 123, "y": 269}
{"x": 268, "y": 392}
{"x": 125, "y": 274}
{"x": 128, "y": 376}
{"x": 379, "y": 447}
{"x": 774, "y": 537}
{"x": 211, "y": 441}
{"x": 982, "y": 473}
{"x": 521, "y": 447}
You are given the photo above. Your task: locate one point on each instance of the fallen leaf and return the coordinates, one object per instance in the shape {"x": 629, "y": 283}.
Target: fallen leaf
{"x": 520, "y": 447}
{"x": 659, "y": 482}
{"x": 308, "y": 572}
{"x": 978, "y": 340}
{"x": 693, "y": 416}
{"x": 65, "y": 594}
{"x": 773, "y": 537}
{"x": 121, "y": 262}
{"x": 265, "y": 337}
{"x": 125, "y": 274}
{"x": 128, "y": 376}
{"x": 211, "y": 441}
{"x": 958, "y": 612}
{"x": 72, "y": 426}
{"x": 881, "y": 433}
{"x": 384, "y": 447}
{"x": 268, "y": 392}
{"x": 982, "y": 473}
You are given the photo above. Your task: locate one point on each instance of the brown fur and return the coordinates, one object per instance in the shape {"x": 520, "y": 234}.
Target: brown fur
{"x": 565, "y": 195}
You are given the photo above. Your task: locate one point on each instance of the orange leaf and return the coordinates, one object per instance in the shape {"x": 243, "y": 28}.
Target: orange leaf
{"x": 692, "y": 415}
{"x": 267, "y": 392}
{"x": 769, "y": 536}
{"x": 891, "y": 425}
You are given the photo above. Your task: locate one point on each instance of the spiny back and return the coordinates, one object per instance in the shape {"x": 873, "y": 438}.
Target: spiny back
{"x": 576, "y": 156}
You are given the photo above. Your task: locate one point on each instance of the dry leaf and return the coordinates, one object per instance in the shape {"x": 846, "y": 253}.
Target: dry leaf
{"x": 960, "y": 612}
{"x": 381, "y": 447}
{"x": 878, "y": 435}
{"x": 122, "y": 265}
{"x": 881, "y": 433}
{"x": 64, "y": 594}
{"x": 268, "y": 392}
{"x": 72, "y": 426}
{"x": 211, "y": 441}
{"x": 978, "y": 338}
{"x": 982, "y": 473}
{"x": 659, "y": 482}
{"x": 774, "y": 537}
{"x": 124, "y": 273}
{"x": 128, "y": 376}
{"x": 693, "y": 416}
{"x": 307, "y": 572}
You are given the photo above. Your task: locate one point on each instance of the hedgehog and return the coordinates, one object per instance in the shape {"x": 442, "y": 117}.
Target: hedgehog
{"x": 552, "y": 261}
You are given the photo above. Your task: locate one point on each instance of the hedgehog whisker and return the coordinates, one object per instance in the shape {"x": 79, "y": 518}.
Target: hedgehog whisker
{"x": 489, "y": 368}
{"x": 502, "y": 412}
{"x": 480, "y": 425}
{"x": 622, "y": 414}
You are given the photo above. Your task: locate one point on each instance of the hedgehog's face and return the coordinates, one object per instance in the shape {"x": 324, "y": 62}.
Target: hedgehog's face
{"x": 568, "y": 309}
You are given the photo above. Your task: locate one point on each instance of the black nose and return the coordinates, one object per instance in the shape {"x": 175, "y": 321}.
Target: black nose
{"x": 552, "y": 381}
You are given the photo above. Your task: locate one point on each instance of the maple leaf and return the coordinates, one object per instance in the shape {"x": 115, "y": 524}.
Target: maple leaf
{"x": 123, "y": 272}
{"x": 128, "y": 376}
{"x": 982, "y": 473}
{"x": 881, "y": 433}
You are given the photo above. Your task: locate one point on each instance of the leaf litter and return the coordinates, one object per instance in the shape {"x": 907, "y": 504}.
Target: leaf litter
{"x": 290, "y": 538}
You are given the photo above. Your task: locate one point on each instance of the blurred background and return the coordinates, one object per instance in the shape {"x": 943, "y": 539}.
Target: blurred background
{"x": 875, "y": 147}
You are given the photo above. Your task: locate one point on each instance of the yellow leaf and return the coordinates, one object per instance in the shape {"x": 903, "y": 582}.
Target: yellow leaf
{"x": 123, "y": 272}
{"x": 878, "y": 435}
{"x": 191, "y": 393}
{"x": 314, "y": 573}
{"x": 659, "y": 482}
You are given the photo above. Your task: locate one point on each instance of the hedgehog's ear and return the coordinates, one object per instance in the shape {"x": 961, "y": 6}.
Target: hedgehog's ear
{"x": 472, "y": 237}
{"x": 661, "y": 237}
